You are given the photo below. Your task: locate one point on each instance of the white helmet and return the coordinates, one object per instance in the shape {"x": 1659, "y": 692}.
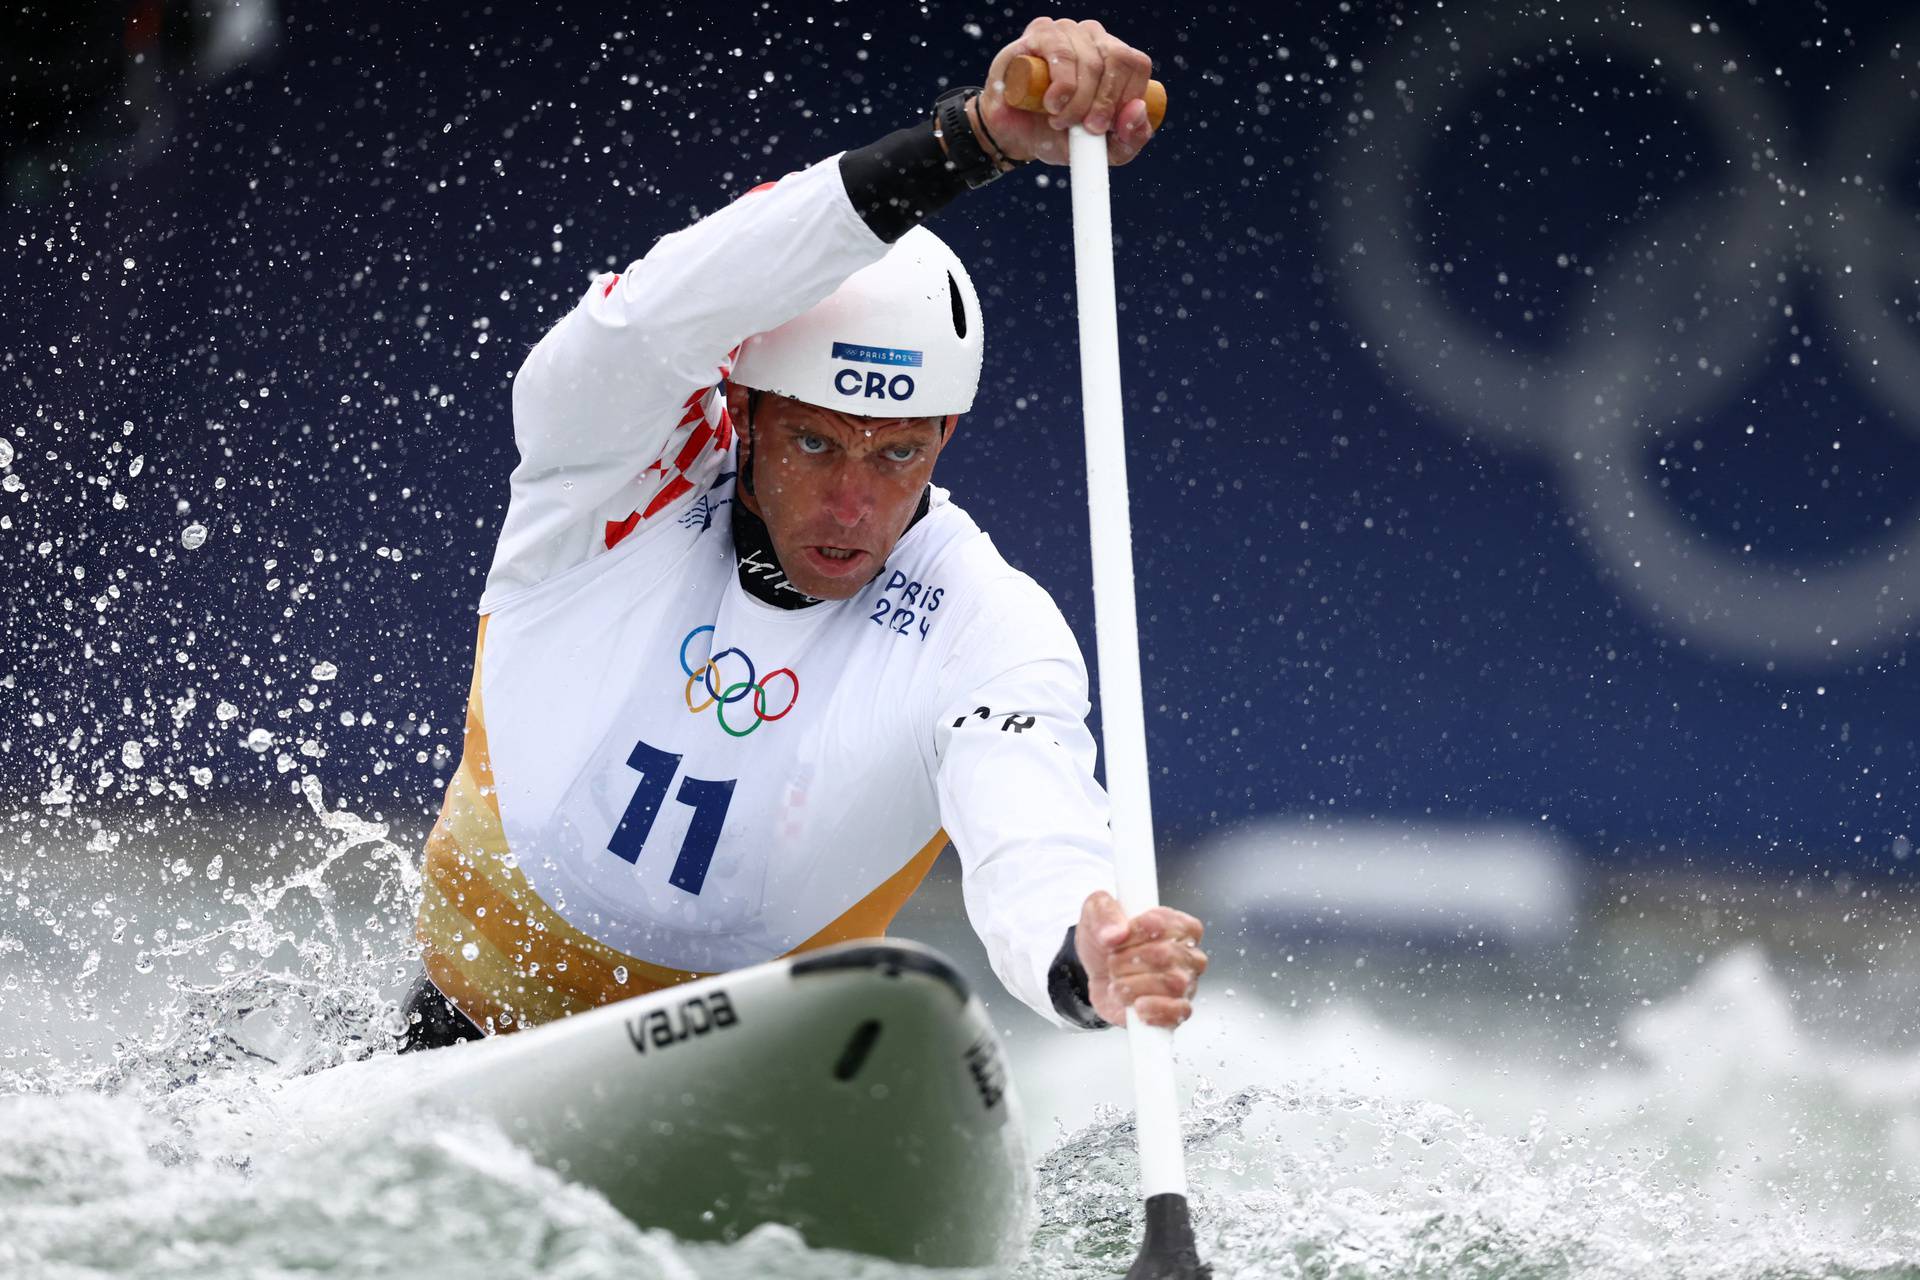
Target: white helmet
{"x": 898, "y": 339}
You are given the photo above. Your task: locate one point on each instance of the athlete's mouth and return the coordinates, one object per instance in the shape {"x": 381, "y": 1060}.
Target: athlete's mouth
{"x": 836, "y": 562}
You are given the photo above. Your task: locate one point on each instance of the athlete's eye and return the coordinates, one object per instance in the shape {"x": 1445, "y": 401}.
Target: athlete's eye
{"x": 902, "y": 453}
{"x": 812, "y": 444}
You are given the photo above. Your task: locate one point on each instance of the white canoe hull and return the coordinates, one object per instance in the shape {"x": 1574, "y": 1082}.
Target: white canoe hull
{"x": 857, "y": 1094}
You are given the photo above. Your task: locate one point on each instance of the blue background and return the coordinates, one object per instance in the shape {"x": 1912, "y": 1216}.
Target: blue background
{"x": 1351, "y": 604}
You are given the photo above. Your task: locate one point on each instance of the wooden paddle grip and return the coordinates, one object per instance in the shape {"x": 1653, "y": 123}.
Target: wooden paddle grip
{"x": 1027, "y": 81}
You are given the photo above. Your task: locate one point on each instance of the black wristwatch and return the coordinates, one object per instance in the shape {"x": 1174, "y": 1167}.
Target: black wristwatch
{"x": 968, "y": 158}
{"x": 1069, "y": 987}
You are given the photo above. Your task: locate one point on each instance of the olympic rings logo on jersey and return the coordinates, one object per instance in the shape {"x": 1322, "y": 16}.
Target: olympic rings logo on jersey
{"x": 721, "y": 693}
{"x": 1671, "y": 320}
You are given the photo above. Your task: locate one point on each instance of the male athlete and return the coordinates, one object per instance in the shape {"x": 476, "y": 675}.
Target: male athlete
{"x": 743, "y": 671}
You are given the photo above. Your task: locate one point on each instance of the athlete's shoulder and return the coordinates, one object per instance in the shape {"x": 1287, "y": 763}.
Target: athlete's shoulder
{"x": 947, "y": 544}
{"x": 988, "y": 603}
{"x": 948, "y": 585}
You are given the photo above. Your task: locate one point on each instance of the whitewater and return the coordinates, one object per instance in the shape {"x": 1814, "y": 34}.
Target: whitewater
{"x": 1686, "y": 1086}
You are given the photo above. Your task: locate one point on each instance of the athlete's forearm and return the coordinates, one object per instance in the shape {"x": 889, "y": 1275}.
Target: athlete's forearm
{"x": 900, "y": 181}
{"x": 1013, "y": 770}
{"x": 903, "y": 179}
{"x": 644, "y": 338}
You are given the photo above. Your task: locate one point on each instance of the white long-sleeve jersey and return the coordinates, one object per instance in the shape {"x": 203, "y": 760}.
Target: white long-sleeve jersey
{"x": 664, "y": 776}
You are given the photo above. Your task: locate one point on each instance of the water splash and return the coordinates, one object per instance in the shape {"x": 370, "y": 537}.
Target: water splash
{"x": 1727, "y": 1143}
{"x": 282, "y": 984}
{"x": 1737, "y": 1147}
{"x": 1298, "y": 1182}
{"x": 91, "y": 1185}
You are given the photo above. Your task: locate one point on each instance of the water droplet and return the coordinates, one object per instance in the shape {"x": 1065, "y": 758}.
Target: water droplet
{"x": 130, "y": 755}
{"x": 226, "y": 711}
{"x": 6, "y": 453}
{"x": 193, "y": 536}
{"x": 214, "y": 867}
{"x": 138, "y": 465}
{"x": 620, "y": 974}
{"x": 259, "y": 740}
{"x": 325, "y": 671}
{"x": 471, "y": 951}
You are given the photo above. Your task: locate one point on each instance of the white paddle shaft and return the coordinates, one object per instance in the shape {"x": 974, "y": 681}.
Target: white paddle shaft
{"x": 1117, "y": 639}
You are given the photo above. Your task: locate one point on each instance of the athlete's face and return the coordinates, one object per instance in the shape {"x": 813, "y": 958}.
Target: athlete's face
{"x": 836, "y": 491}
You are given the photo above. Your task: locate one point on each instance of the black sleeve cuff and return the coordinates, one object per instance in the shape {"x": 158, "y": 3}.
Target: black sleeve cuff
{"x": 1067, "y": 987}
{"x": 900, "y": 181}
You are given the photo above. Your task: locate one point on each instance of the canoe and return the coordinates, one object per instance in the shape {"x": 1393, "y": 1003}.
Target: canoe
{"x": 858, "y": 1094}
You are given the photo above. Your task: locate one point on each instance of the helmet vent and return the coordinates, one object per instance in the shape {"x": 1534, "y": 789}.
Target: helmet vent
{"x": 959, "y": 308}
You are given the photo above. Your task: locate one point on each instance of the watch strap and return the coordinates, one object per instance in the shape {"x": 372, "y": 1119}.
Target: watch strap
{"x": 969, "y": 159}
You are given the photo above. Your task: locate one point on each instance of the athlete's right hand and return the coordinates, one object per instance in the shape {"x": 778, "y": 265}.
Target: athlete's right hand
{"x": 1095, "y": 80}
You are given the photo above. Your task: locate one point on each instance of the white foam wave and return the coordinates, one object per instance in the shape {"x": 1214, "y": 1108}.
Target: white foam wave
{"x": 1733, "y": 1146}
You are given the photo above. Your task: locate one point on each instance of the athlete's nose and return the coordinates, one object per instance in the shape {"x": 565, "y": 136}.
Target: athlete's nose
{"x": 848, "y": 499}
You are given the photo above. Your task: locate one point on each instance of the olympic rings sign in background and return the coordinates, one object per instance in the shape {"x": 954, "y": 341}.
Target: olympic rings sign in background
{"x": 1680, "y": 316}
{"x": 720, "y": 693}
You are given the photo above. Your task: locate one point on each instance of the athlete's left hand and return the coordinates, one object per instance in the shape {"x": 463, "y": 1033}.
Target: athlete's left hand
{"x": 1151, "y": 962}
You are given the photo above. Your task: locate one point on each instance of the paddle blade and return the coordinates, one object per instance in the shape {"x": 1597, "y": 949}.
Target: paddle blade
{"x": 1168, "y": 1252}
